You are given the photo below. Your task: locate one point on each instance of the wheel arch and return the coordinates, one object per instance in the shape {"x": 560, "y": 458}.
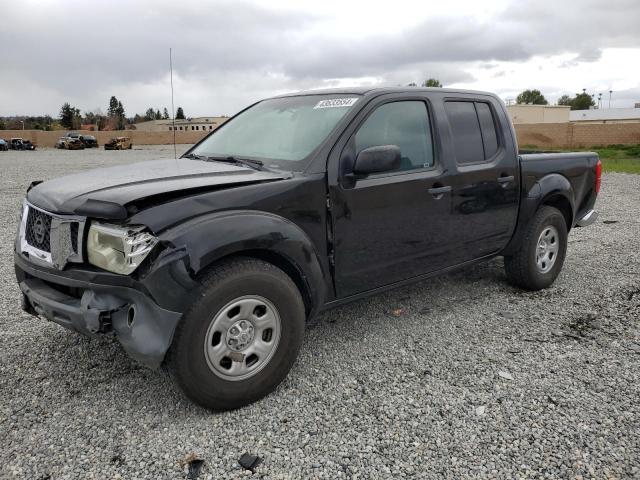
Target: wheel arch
{"x": 223, "y": 236}
{"x": 562, "y": 203}
{"x": 553, "y": 190}
{"x": 278, "y": 260}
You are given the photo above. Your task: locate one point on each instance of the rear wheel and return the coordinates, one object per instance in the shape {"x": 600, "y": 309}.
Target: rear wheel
{"x": 240, "y": 338}
{"x": 539, "y": 259}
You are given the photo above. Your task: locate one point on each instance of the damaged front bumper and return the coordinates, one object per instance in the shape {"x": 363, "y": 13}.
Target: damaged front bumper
{"x": 141, "y": 314}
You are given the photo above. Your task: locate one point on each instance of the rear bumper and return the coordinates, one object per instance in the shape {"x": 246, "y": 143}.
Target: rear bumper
{"x": 129, "y": 313}
{"x": 587, "y": 219}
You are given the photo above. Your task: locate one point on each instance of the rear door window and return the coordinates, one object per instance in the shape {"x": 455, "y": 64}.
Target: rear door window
{"x": 467, "y": 139}
{"x": 474, "y": 132}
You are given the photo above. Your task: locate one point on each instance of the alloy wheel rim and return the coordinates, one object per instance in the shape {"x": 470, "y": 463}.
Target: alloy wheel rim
{"x": 547, "y": 248}
{"x": 242, "y": 337}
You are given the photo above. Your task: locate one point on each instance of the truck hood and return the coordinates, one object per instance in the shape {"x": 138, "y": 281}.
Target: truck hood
{"x": 142, "y": 182}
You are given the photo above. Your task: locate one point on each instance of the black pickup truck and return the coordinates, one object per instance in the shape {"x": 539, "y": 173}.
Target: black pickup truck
{"x": 211, "y": 264}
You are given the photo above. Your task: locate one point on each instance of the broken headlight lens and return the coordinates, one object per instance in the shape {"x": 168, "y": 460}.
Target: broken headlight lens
{"x": 118, "y": 249}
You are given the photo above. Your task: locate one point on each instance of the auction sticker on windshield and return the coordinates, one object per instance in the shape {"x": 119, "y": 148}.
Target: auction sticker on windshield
{"x": 335, "y": 102}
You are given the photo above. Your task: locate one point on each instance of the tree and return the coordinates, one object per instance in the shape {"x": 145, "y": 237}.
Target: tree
{"x": 95, "y": 117}
{"x": 66, "y": 115}
{"x": 113, "y": 106}
{"x": 432, "y": 82}
{"x": 158, "y": 115}
{"x": 412, "y": 84}
{"x": 533, "y": 97}
{"x": 120, "y": 118}
{"x": 90, "y": 117}
{"x": 582, "y": 101}
{"x": 165, "y": 114}
{"x": 565, "y": 100}
{"x": 149, "y": 114}
{"x": 69, "y": 116}
{"x": 180, "y": 114}
{"x": 115, "y": 112}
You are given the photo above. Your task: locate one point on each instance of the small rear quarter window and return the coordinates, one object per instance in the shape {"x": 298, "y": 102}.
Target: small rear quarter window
{"x": 488, "y": 129}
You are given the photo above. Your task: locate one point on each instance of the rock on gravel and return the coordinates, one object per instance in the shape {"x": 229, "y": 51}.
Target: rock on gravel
{"x": 375, "y": 393}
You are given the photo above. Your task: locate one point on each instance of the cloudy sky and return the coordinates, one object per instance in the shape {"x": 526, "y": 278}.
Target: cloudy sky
{"x": 230, "y": 53}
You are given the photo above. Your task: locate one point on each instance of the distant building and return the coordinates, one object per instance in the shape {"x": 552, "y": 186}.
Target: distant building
{"x": 607, "y": 115}
{"x": 190, "y": 124}
{"x": 538, "y": 113}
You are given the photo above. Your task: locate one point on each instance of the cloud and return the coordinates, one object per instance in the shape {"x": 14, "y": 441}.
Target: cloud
{"x": 227, "y": 53}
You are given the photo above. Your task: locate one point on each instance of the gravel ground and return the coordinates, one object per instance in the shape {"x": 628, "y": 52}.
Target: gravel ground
{"x": 457, "y": 376}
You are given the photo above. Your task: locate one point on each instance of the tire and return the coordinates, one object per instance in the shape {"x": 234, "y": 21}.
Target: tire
{"x": 195, "y": 361}
{"x": 523, "y": 268}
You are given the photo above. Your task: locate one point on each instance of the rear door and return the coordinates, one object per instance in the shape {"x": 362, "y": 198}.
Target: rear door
{"x": 485, "y": 181}
{"x": 390, "y": 226}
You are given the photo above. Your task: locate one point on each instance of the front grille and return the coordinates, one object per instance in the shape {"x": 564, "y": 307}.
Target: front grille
{"x": 74, "y": 237}
{"x": 38, "y": 230}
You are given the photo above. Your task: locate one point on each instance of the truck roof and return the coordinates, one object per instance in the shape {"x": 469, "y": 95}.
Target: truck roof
{"x": 381, "y": 90}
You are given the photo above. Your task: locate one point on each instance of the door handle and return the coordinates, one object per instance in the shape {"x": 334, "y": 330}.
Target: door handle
{"x": 508, "y": 179}
{"x": 438, "y": 192}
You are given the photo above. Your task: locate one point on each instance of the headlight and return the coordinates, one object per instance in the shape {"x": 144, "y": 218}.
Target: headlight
{"x": 118, "y": 249}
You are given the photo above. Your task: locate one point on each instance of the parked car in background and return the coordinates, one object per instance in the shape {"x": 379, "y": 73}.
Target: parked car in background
{"x": 16, "y": 144}
{"x": 20, "y": 144}
{"x": 74, "y": 144}
{"x": 119, "y": 143}
{"x": 4, "y": 146}
{"x": 89, "y": 141}
{"x": 69, "y": 143}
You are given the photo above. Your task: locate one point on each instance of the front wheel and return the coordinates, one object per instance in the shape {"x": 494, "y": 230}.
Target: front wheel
{"x": 240, "y": 338}
{"x": 538, "y": 260}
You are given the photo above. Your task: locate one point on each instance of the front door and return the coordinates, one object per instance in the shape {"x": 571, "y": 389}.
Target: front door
{"x": 391, "y": 226}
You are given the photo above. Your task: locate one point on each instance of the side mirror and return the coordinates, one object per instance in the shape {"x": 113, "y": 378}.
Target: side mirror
{"x": 377, "y": 159}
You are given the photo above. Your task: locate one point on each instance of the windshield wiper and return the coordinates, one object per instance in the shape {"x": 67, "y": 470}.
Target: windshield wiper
{"x": 193, "y": 156}
{"x": 247, "y": 162}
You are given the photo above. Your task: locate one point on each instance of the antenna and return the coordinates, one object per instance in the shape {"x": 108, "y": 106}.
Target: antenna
{"x": 173, "y": 113}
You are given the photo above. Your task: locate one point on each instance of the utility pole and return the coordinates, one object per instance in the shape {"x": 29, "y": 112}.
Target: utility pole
{"x": 610, "y": 92}
{"x": 173, "y": 113}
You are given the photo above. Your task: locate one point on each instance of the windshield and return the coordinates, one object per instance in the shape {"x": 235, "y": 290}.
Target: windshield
{"x": 282, "y": 132}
